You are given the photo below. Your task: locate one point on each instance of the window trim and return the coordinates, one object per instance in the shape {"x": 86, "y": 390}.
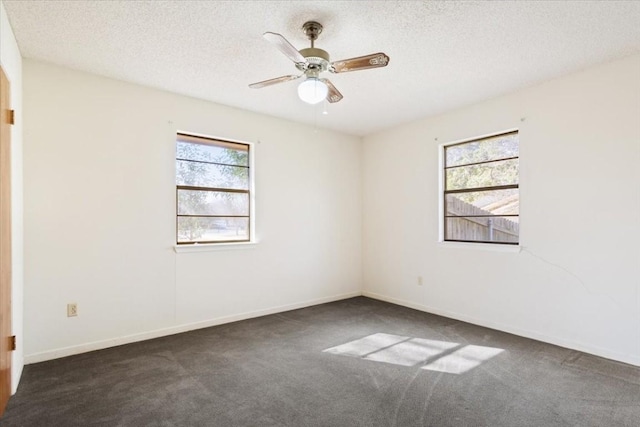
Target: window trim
{"x": 222, "y": 244}
{"x": 211, "y": 247}
{"x": 478, "y": 244}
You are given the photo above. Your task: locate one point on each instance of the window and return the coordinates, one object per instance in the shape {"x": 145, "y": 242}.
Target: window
{"x": 213, "y": 190}
{"x": 481, "y": 194}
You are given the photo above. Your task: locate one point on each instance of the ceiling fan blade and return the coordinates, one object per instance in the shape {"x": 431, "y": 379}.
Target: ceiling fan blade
{"x": 270, "y": 82}
{"x": 285, "y": 47}
{"x": 334, "y": 94}
{"x": 360, "y": 63}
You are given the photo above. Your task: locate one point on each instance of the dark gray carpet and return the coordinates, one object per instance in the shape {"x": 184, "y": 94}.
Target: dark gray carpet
{"x": 272, "y": 371}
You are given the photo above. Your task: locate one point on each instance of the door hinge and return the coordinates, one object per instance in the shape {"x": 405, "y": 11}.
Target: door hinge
{"x": 12, "y": 117}
{"x": 12, "y": 343}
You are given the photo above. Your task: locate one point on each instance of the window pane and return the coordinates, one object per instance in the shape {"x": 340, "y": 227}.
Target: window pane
{"x": 194, "y": 229}
{"x": 197, "y": 202}
{"x": 482, "y": 229}
{"x": 492, "y": 202}
{"x": 210, "y": 175}
{"x": 483, "y": 175}
{"x": 213, "y": 153}
{"x": 493, "y": 148}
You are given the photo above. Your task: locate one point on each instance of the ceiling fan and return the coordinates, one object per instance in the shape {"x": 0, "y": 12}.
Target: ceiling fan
{"x": 312, "y": 62}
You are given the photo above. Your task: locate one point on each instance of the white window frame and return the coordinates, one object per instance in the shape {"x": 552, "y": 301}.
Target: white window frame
{"x": 223, "y": 245}
{"x": 496, "y": 246}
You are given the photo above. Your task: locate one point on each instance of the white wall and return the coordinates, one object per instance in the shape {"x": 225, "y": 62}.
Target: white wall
{"x": 100, "y": 215}
{"x": 576, "y": 281}
{"x": 11, "y": 62}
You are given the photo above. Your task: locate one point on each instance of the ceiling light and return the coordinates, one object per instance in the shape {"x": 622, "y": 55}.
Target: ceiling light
{"x": 313, "y": 90}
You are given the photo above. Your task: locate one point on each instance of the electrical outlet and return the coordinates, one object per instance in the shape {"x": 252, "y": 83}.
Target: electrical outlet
{"x": 419, "y": 280}
{"x": 72, "y": 309}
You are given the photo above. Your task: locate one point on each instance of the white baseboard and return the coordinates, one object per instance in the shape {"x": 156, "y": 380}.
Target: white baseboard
{"x": 573, "y": 345}
{"x": 99, "y": 345}
{"x": 128, "y": 339}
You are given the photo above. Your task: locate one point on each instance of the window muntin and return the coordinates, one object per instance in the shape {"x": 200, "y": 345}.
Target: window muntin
{"x": 481, "y": 190}
{"x": 213, "y": 199}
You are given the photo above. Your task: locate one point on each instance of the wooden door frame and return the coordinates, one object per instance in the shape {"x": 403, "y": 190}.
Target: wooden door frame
{"x": 6, "y": 342}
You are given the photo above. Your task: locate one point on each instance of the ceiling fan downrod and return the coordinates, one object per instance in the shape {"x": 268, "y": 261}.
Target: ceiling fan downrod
{"x": 312, "y": 29}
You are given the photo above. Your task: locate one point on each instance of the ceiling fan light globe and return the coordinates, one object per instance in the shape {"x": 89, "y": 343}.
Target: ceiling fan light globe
{"x": 312, "y": 91}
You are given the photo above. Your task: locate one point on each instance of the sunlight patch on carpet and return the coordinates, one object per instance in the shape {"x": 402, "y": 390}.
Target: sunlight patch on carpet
{"x": 432, "y": 355}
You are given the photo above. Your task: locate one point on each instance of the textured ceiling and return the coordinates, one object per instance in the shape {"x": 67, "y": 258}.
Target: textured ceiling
{"x": 443, "y": 54}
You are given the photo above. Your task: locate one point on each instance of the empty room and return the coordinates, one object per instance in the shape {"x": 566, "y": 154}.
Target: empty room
{"x": 320, "y": 213}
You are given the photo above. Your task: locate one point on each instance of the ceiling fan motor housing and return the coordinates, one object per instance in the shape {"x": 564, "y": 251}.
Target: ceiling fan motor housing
{"x": 317, "y": 60}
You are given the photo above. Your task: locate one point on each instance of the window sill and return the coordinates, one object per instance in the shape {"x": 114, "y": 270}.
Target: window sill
{"x": 212, "y": 247}
{"x": 493, "y": 247}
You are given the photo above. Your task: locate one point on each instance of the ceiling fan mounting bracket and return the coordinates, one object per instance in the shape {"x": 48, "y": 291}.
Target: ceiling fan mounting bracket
{"x": 312, "y": 29}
